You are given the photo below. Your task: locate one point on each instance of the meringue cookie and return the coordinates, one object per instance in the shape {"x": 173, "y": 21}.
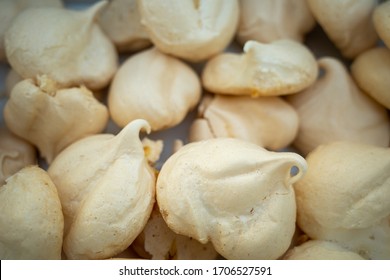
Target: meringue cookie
{"x": 121, "y": 21}
{"x": 344, "y": 197}
{"x": 320, "y": 250}
{"x": 153, "y": 86}
{"x": 15, "y": 153}
{"x": 158, "y": 242}
{"x": 107, "y": 192}
{"x": 9, "y": 9}
{"x": 279, "y": 68}
{"x": 52, "y": 118}
{"x": 271, "y": 20}
{"x": 31, "y": 220}
{"x": 347, "y": 23}
{"x": 334, "y": 109}
{"x": 192, "y": 30}
{"x": 232, "y": 193}
{"x": 73, "y": 50}
{"x": 269, "y": 122}
{"x": 371, "y": 70}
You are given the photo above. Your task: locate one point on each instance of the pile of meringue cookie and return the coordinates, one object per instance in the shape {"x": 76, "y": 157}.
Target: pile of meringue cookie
{"x": 287, "y": 157}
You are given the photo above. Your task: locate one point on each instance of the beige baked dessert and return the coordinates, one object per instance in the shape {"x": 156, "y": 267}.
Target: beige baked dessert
{"x": 9, "y": 9}
{"x": 344, "y": 197}
{"x": 15, "y": 153}
{"x": 31, "y": 220}
{"x": 52, "y": 117}
{"x": 381, "y": 21}
{"x": 74, "y": 48}
{"x": 278, "y": 68}
{"x": 270, "y": 20}
{"x": 153, "y": 86}
{"x": 232, "y": 193}
{"x": 348, "y": 24}
{"x": 269, "y": 122}
{"x": 158, "y": 242}
{"x": 320, "y": 250}
{"x": 121, "y": 22}
{"x": 107, "y": 191}
{"x": 192, "y": 30}
{"x": 371, "y": 70}
{"x": 334, "y": 108}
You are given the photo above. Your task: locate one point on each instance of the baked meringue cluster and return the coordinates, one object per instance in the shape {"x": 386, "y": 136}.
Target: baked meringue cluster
{"x": 286, "y": 151}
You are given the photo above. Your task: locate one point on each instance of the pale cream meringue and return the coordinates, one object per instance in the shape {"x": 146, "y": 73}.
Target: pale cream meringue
{"x": 158, "y": 242}
{"x": 107, "y": 191}
{"x": 270, "y": 20}
{"x": 15, "y": 153}
{"x": 269, "y": 122}
{"x": 347, "y": 23}
{"x": 371, "y": 71}
{"x": 121, "y": 21}
{"x": 31, "y": 219}
{"x": 334, "y": 108}
{"x": 68, "y": 45}
{"x": 9, "y": 9}
{"x": 232, "y": 193}
{"x": 193, "y": 30}
{"x": 279, "y": 68}
{"x": 153, "y": 86}
{"x": 52, "y": 118}
{"x": 344, "y": 197}
{"x": 320, "y": 250}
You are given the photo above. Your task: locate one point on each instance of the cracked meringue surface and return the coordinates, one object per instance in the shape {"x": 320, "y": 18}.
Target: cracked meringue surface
{"x": 51, "y": 117}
